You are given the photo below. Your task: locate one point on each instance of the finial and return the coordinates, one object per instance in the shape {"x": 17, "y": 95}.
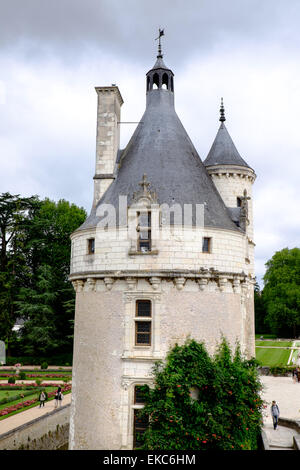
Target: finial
{"x": 144, "y": 183}
{"x": 160, "y": 34}
{"x": 222, "y": 112}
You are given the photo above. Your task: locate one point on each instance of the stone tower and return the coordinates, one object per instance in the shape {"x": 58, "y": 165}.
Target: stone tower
{"x": 166, "y": 252}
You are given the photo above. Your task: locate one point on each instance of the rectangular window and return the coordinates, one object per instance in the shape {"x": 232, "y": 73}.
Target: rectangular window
{"x": 143, "y": 333}
{"x": 139, "y": 394}
{"x": 91, "y": 246}
{"x": 238, "y": 202}
{"x": 143, "y": 323}
{"x": 139, "y": 427}
{"x": 144, "y": 231}
{"x": 206, "y": 245}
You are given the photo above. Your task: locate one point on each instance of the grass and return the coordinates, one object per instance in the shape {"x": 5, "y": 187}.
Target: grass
{"x": 28, "y": 407}
{"x": 272, "y": 357}
{"x": 279, "y": 344}
{"x": 35, "y": 394}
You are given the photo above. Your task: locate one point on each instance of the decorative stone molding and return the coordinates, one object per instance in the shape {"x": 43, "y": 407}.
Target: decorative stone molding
{"x": 236, "y": 285}
{"x": 179, "y": 282}
{"x": 78, "y": 285}
{"x": 90, "y": 284}
{"x": 131, "y": 283}
{"x": 108, "y": 281}
{"x": 155, "y": 282}
{"x": 222, "y": 283}
{"x": 202, "y": 283}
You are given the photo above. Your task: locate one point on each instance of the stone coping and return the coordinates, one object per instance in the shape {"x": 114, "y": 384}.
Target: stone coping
{"x": 35, "y": 420}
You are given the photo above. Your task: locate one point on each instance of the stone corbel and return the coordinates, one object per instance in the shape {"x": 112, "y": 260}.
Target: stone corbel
{"x": 155, "y": 282}
{"x": 78, "y": 285}
{"x": 90, "y": 284}
{"x": 236, "y": 285}
{"x": 131, "y": 283}
{"x": 203, "y": 281}
{"x": 179, "y": 282}
{"x": 108, "y": 281}
{"x": 222, "y": 283}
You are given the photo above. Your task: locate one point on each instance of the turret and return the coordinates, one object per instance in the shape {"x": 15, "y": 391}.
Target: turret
{"x": 233, "y": 178}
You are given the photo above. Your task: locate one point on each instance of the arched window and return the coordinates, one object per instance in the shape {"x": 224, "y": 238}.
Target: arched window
{"x": 165, "y": 81}
{"x": 155, "y": 80}
{"x": 148, "y": 83}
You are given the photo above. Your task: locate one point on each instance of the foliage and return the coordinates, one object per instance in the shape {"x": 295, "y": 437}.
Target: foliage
{"x": 281, "y": 293}
{"x": 35, "y": 254}
{"x": 260, "y": 311}
{"x": 22, "y": 375}
{"x": 227, "y": 413}
{"x": 11, "y": 380}
{"x": 44, "y": 365}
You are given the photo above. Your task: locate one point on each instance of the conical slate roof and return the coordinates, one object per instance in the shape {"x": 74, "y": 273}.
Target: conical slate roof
{"x": 161, "y": 148}
{"x": 223, "y": 150}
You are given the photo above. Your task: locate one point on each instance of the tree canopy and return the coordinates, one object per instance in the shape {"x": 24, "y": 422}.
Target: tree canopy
{"x": 281, "y": 293}
{"x": 35, "y": 259}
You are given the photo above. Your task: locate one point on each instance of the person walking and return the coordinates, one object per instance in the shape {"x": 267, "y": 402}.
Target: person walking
{"x": 56, "y": 397}
{"x": 275, "y": 413}
{"x": 42, "y": 399}
{"x": 60, "y": 398}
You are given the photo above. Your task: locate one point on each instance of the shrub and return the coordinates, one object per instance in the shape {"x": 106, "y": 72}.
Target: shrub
{"x": 22, "y": 375}
{"x": 44, "y": 365}
{"x": 11, "y": 380}
{"x": 226, "y": 413}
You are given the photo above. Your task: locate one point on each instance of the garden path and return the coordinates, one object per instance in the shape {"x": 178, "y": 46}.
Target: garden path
{"x": 28, "y": 415}
{"x": 286, "y": 393}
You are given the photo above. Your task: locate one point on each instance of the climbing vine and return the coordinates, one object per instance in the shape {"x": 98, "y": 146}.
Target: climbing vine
{"x": 202, "y": 402}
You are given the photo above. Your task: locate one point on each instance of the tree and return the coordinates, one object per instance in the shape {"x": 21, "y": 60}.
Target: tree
{"x": 37, "y": 306}
{"x": 260, "y": 311}
{"x": 35, "y": 242}
{"x": 15, "y": 212}
{"x": 202, "y": 402}
{"x": 47, "y": 249}
{"x": 281, "y": 293}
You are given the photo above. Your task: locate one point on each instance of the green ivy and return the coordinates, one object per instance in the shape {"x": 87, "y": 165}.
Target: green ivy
{"x": 226, "y": 414}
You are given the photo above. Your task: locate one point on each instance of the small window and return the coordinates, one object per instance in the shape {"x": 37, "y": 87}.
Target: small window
{"x": 238, "y": 202}
{"x": 143, "y": 323}
{"x": 144, "y": 231}
{"x": 165, "y": 81}
{"x": 91, "y": 246}
{"x": 206, "y": 245}
{"x": 143, "y": 308}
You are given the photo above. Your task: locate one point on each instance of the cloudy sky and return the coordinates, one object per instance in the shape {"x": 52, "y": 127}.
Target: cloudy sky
{"x": 53, "y": 54}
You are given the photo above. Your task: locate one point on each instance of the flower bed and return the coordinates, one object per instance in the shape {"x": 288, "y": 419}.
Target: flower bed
{"x": 53, "y": 376}
{"x": 11, "y": 409}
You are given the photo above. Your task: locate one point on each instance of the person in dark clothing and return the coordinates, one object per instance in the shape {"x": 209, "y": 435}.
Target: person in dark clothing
{"x": 275, "y": 413}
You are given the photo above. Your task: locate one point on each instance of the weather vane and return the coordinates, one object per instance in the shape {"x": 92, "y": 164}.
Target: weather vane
{"x": 160, "y": 34}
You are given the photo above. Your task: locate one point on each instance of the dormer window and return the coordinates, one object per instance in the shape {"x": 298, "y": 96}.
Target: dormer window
{"x": 144, "y": 231}
{"x": 238, "y": 202}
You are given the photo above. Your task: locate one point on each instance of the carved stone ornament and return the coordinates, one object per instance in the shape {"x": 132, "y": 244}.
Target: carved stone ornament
{"x": 78, "y": 285}
{"x": 179, "y": 282}
{"x": 90, "y": 284}
{"x": 131, "y": 283}
{"x": 155, "y": 282}
{"x": 108, "y": 281}
{"x": 144, "y": 192}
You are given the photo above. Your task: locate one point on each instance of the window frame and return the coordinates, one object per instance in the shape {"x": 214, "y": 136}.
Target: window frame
{"x": 209, "y": 247}
{"x": 91, "y": 246}
{"x": 138, "y": 319}
{"x": 143, "y": 228}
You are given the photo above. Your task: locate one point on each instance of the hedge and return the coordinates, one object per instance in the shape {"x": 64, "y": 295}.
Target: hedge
{"x": 61, "y": 360}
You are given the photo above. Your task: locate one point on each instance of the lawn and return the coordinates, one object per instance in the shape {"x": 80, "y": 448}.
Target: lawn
{"x": 272, "y": 357}
{"x": 35, "y": 394}
{"x": 279, "y": 344}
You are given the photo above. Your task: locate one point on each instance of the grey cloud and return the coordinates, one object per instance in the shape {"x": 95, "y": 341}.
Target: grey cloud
{"x": 128, "y": 27}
